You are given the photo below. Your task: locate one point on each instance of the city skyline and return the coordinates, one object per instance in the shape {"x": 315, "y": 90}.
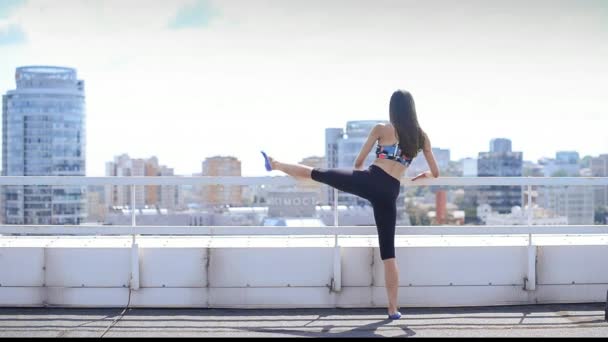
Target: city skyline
{"x": 554, "y": 162}
{"x": 184, "y": 80}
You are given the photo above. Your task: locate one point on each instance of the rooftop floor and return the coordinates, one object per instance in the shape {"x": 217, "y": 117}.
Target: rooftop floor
{"x": 559, "y": 320}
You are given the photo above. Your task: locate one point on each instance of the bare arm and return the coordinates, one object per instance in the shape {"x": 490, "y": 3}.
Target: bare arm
{"x": 430, "y": 159}
{"x": 367, "y": 147}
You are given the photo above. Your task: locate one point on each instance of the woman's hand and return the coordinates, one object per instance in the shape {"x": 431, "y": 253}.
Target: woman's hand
{"x": 425, "y": 174}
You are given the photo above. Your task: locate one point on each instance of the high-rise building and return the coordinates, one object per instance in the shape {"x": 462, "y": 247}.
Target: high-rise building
{"x": 469, "y": 167}
{"x": 442, "y": 156}
{"x": 599, "y": 168}
{"x": 499, "y": 145}
{"x": 96, "y": 206}
{"x": 332, "y": 136}
{"x": 117, "y": 195}
{"x": 343, "y": 147}
{"x": 350, "y": 144}
{"x": 499, "y": 162}
{"x": 310, "y": 185}
{"x": 151, "y": 169}
{"x": 43, "y": 134}
{"x": 573, "y": 202}
{"x": 214, "y": 195}
{"x": 419, "y": 164}
{"x": 171, "y": 196}
{"x": 566, "y": 163}
{"x": 567, "y": 157}
{"x": 166, "y": 196}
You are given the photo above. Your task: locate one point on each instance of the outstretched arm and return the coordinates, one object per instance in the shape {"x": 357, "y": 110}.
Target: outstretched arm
{"x": 367, "y": 147}
{"x": 430, "y": 159}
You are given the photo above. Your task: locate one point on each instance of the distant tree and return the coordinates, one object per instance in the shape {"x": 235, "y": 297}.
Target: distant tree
{"x": 418, "y": 216}
{"x": 424, "y": 218}
{"x": 422, "y": 190}
{"x": 470, "y": 216}
{"x": 601, "y": 214}
{"x": 585, "y": 162}
{"x": 459, "y": 200}
{"x": 453, "y": 170}
{"x": 410, "y": 209}
{"x": 560, "y": 173}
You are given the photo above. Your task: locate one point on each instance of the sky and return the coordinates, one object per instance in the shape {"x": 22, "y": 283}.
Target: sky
{"x": 187, "y": 79}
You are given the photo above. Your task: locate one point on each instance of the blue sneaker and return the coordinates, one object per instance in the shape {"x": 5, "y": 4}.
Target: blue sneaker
{"x": 396, "y": 315}
{"x": 267, "y": 162}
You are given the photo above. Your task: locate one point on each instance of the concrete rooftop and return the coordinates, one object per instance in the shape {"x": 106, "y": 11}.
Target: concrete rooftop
{"x": 558, "y": 320}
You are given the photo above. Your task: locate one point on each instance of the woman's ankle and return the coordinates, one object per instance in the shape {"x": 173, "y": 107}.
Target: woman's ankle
{"x": 276, "y": 165}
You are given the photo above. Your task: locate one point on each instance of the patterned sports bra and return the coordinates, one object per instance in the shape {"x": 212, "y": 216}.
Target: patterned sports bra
{"x": 392, "y": 152}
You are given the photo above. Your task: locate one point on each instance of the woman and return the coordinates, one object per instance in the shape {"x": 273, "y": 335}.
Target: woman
{"x": 398, "y": 143}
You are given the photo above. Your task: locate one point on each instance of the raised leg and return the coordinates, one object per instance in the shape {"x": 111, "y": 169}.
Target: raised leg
{"x": 294, "y": 170}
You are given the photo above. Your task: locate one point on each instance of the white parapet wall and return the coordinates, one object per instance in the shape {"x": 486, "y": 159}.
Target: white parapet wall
{"x": 299, "y": 271}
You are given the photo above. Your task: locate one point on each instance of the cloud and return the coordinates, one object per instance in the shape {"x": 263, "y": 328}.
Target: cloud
{"x": 12, "y": 35}
{"x": 6, "y": 6}
{"x": 196, "y": 15}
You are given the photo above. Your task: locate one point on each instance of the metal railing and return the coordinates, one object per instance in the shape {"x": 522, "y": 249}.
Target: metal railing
{"x": 288, "y": 181}
{"x": 133, "y": 231}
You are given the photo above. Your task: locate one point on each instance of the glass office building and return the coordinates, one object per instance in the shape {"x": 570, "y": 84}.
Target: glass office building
{"x": 43, "y": 134}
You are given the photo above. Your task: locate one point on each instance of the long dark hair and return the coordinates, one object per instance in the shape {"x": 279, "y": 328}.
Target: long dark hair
{"x": 403, "y": 117}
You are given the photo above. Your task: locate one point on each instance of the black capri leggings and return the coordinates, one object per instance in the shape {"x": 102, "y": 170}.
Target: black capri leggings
{"x": 376, "y": 186}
